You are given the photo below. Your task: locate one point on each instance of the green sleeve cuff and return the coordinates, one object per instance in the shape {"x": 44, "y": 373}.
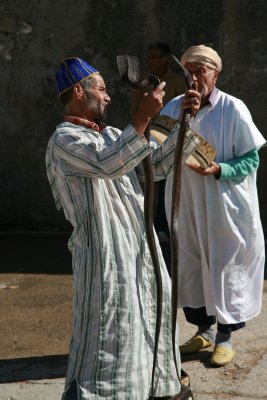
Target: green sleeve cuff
{"x": 239, "y": 167}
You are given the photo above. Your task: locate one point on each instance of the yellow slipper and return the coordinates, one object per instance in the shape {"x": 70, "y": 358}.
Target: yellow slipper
{"x": 195, "y": 344}
{"x": 221, "y": 356}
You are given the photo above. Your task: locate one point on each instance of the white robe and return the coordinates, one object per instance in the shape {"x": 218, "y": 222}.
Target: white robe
{"x": 221, "y": 242}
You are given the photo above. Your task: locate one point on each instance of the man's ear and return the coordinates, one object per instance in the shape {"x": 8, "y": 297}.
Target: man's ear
{"x": 78, "y": 91}
{"x": 216, "y": 74}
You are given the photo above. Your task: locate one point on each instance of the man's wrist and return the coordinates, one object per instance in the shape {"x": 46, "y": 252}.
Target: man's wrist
{"x": 140, "y": 123}
{"x": 218, "y": 173}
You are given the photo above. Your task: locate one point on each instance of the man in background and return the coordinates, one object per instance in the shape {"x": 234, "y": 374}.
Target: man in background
{"x": 158, "y": 57}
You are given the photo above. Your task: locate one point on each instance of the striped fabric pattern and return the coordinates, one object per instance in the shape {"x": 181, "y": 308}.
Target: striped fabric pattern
{"x": 92, "y": 177}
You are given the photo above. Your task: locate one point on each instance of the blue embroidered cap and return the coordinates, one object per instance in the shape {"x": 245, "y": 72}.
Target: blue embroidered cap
{"x": 71, "y": 71}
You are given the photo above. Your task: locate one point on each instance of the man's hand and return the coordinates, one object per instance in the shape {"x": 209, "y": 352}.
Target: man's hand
{"x": 192, "y": 101}
{"x": 150, "y": 105}
{"x": 213, "y": 169}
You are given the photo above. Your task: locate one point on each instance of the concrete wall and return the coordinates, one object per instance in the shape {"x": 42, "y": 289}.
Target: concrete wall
{"x": 35, "y": 35}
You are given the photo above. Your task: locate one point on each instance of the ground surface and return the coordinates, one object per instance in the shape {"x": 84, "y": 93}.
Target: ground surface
{"x": 35, "y": 331}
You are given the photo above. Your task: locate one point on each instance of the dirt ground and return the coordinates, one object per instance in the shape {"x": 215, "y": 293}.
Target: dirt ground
{"x": 35, "y": 320}
{"x": 35, "y": 295}
{"x": 35, "y": 314}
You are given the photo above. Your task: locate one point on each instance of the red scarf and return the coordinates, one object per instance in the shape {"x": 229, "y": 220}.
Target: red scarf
{"x": 84, "y": 122}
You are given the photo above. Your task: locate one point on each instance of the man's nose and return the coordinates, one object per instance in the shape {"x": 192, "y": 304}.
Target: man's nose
{"x": 107, "y": 98}
{"x": 194, "y": 77}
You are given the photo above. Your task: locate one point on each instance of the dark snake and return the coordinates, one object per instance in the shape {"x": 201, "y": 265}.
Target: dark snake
{"x": 129, "y": 71}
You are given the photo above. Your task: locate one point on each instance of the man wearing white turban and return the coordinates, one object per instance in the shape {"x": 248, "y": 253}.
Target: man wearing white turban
{"x": 221, "y": 243}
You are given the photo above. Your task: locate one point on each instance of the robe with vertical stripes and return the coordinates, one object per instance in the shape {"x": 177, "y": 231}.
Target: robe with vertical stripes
{"x": 93, "y": 178}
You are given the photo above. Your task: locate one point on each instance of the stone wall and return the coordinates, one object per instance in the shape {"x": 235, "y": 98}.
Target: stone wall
{"x": 35, "y": 35}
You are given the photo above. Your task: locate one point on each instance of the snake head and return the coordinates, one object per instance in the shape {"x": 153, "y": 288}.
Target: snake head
{"x": 129, "y": 72}
{"x": 188, "y": 78}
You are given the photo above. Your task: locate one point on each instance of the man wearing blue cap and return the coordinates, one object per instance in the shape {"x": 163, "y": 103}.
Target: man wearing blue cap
{"x": 91, "y": 170}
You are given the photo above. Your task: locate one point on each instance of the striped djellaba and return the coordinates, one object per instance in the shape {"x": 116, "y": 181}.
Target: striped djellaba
{"x": 94, "y": 179}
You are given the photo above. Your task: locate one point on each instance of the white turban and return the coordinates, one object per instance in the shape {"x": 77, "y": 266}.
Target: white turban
{"x": 203, "y": 55}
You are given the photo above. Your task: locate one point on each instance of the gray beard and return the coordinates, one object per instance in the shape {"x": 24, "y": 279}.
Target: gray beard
{"x": 95, "y": 106}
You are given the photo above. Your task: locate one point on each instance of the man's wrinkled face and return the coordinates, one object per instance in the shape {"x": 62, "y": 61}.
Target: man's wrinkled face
{"x": 97, "y": 99}
{"x": 205, "y": 77}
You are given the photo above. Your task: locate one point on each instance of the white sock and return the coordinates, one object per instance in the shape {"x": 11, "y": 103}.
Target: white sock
{"x": 207, "y": 332}
{"x": 223, "y": 339}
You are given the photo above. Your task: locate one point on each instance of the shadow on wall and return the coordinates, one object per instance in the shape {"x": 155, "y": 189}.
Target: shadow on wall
{"x": 33, "y": 368}
{"x": 41, "y": 253}
{"x": 35, "y": 252}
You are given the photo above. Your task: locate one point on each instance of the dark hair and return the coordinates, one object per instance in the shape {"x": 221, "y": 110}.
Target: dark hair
{"x": 163, "y": 47}
{"x": 66, "y": 96}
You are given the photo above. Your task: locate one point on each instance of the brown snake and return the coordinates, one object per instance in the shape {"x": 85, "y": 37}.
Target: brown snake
{"x": 128, "y": 67}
